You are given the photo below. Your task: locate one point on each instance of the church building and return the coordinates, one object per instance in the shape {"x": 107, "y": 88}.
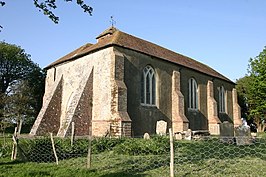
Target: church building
{"x": 122, "y": 85}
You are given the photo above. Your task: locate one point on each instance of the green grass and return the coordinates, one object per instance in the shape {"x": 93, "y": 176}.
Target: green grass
{"x": 101, "y": 166}
{"x": 138, "y": 157}
{"x": 262, "y": 134}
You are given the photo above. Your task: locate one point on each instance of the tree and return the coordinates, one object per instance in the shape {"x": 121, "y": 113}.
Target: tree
{"x": 257, "y": 89}
{"x": 47, "y": 7}
{"x": 15, "y": 64}
{"x": 242, "y": 87}
{"x": 18, "y": 107}
{"x": 21, "y": 84}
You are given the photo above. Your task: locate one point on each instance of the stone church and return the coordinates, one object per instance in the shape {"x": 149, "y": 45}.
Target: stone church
{"x": 123, "y": 85}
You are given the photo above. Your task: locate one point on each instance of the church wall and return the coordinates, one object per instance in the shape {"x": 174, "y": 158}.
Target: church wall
{"x": 75, "y": 75}
{"x": 109, "y": 85}
{"x": 228, "y": 116}
{"x": 144, "y": 117}
{"x": 197, "y": 118}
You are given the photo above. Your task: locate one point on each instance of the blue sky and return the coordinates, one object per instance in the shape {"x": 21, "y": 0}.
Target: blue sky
{"x": 224, "y": 34}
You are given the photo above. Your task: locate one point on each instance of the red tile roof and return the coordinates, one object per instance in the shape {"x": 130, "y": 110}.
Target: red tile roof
{"x": 114, "y": 37}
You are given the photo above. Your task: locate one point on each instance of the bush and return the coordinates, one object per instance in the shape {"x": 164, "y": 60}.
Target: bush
{"x": 37, "y": 150}
{"x": 80, "y": 146}
{"x": 105, "y": 144}
{"x": 5, "y": 148}
{"x": 154, "y": 146}
{"x": 40, "y": 149}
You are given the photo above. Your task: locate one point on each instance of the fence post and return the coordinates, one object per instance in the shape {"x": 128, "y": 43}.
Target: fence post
{"x": 20, "y": 125}
{"x": 14, "y": 149}
{"x": 89, "y": 154}
{"x": 72, "y": 132}
{"x": 171, "y": 153}
{"x": 55, "y": 155}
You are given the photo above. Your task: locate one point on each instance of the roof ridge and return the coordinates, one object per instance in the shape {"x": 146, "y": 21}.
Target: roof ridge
{"x": 192, "y": 62}
{"x": 113, "y": 36}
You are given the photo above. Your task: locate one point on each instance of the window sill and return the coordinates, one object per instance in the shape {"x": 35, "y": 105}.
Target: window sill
{"x": 193, "y": 110}
{"x": 222, "y": 113}
{"x": 148, "y": 105}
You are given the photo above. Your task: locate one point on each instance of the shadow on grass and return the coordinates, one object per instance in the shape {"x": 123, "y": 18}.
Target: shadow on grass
{"x": 122, "y": 174}
{"x": 123, "y": 165}
{"x": 9, "y": 162}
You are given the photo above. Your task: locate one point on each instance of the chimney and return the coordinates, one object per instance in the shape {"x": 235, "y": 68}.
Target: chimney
{"x": 106, "y": 33}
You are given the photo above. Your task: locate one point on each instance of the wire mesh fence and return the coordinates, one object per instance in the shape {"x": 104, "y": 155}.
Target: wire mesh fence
{"x": 207, "y": 156}
{"x": 217, "y": 157}
{"x": 110, "y": 155}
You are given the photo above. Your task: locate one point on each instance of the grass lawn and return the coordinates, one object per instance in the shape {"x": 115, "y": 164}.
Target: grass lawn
{"x": 192, "y": 158}
{"x": 101, "y": 166}
{"x": 134, "y": 166}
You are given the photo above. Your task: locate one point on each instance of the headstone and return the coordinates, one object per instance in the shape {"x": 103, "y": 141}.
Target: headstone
{"x": 178, "y": 136}
{"x": 254, "y": 135}
{"x": 242, "y": 135}
{"x": 227, "y": 132}
{"x": 244, "y": 122}
{"x": 188, "y": 134}
{"x": 146, "y": 136}
{"x": 161, "y": 127}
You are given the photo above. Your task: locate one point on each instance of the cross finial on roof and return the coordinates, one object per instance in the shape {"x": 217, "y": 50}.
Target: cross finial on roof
{"x": 112, "y": 21}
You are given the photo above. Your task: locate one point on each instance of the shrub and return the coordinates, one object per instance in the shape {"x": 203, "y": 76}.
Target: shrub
{"x": 104, "y": 144}
{"x": 40, "y": 149}
{"x": 37, "y": 150}
{"x": 154, "y": 146}
{"x": 5, "y": 148}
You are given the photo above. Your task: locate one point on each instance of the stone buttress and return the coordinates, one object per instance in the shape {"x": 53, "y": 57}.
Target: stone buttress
{"x": 118, "y": 122}
{"x": 236, "y": 110}
{"x": 213, "y": 119}
{"x": 92, "y": 95}
{"x": 48, "y": 120}
{"x": 179, "y": 120}
{"x": 79, "y": 109}
{"x": 119, "y": 115}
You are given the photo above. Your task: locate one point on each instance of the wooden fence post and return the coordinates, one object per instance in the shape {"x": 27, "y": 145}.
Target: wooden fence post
{"x": 14, "y": 148}
{"x": 89, "y": 154}
{"x": 20, "y": 126}
{"x": 55, "y": 155}
{"x": 171, "y": 153}
{"x": 72, "y": 133}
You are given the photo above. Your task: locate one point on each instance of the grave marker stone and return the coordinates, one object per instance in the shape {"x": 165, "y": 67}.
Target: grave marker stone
{"x": 188, "y": 135}
{"x": 161, "y": 127}
{"x": 227, "y": 132}
{"x": 178, "y": 136}
{"x": 242, "y": 135}
{"x": 146, "y": 136}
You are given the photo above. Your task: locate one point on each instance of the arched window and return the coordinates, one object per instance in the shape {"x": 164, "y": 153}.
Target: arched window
{"x": 148, "y": 89}
{"x": 222, "y": 102}
{"x": 193, "y": 94}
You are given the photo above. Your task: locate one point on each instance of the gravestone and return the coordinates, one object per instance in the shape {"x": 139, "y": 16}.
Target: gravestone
{"x": 227, "y": 132}
{"x": 161, "y": 127}
{"x": 242, "y": 135}
{"x": 146, "y": 136}
{"x": 188, "y": 134}
{"x": 178, "y": 136}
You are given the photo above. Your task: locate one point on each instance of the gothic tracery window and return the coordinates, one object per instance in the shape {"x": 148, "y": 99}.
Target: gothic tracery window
{"x": 193, "y": 94}
{"x": 222, "y": 101}
{"x": 148, "y": 89}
